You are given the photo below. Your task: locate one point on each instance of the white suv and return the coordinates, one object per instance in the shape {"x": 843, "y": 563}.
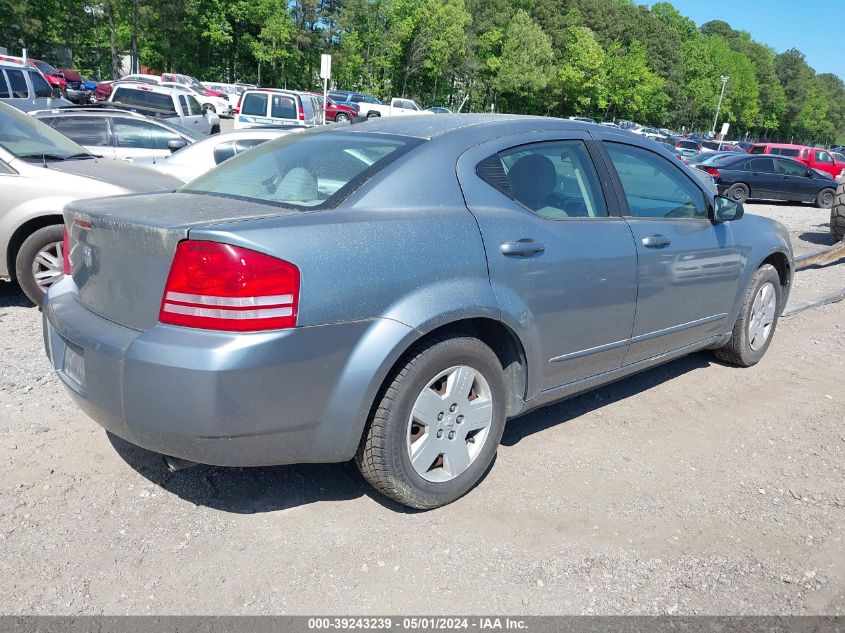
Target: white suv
{"x": 218, "y": 105}
{"x": 173, "y": 105}
{"x": 270, "y": 106}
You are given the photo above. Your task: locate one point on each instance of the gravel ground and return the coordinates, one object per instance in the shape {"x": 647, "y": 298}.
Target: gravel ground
{"x": 691, "y": 488}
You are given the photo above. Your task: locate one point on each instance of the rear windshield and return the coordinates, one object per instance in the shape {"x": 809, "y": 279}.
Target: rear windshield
{"x": 757, "y": 149}
{"x": 312, "y": 169}
{"x": 785, "y": 151}
{"x": 688, "y": 145}
{"x": 144, "y": 99}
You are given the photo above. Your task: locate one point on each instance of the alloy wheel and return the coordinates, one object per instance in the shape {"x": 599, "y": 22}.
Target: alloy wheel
{"x": 48, "y": 265}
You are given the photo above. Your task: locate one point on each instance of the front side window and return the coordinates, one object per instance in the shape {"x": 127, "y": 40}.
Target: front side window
{"x": 142, "y": 135}
{"x": 303, "y": 170}
{"x": 40, "y": 85}
{"x": 555, "y": 180}
{"x": 823, "y": 157}
{"x": 254, "y": 104}
{"x": 791, "y": 168}
{"x": 18, "y": 84}
{"x": 83, "y": 129}
{"x": 653, "y": 186}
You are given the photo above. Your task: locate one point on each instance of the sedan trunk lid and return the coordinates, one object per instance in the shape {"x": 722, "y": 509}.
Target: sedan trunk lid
{"x": 121, "y": 248}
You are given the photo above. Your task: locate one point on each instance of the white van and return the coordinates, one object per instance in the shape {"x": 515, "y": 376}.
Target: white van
{"x": 269, "y": 106}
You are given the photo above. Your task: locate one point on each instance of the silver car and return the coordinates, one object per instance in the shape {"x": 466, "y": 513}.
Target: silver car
{"x": 196, "y": 159}
{"x": 40, "y": 172}
{"x": 392, "y": 292}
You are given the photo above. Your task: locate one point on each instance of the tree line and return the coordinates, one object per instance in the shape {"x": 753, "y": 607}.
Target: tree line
{"x": 608, "y": 59}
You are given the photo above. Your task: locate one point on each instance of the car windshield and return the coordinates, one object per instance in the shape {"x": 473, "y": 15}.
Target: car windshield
{"x": 311, "y": 169}
{"x": 28, "y": 138}
{"x": 45, "y": 68}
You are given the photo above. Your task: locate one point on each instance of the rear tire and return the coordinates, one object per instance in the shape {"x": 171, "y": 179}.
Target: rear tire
{"x": 737, "y": 193}
{"x": 215, "y": 129}
{"x": 758, "y": 317}
{"x": 38, "y": 264}
{"x": 825, "y": 199}
{"x": 435, "y": 430}
{"x": 837, "y": 214}
{"x": 373, "y": 115}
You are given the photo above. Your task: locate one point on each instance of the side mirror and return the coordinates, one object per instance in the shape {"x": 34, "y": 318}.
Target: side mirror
{"x": 726, "y": 210}
{"x": 176, "y": 144}
{"x": 224, "y": 152}
{"x": 810, "y": 173}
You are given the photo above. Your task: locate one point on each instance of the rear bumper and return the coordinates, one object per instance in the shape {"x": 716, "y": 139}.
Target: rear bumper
{"x": 213, "y": 397}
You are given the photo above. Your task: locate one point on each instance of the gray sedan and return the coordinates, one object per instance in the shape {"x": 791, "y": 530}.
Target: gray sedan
{"x": 392, "y": 292}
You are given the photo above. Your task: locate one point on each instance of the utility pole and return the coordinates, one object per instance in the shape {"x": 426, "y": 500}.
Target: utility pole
{"x": 719, "y": 107}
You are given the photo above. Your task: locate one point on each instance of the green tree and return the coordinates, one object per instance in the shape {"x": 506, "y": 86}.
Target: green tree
{"x": 634, "y": 91}
{"x": 526, "y": 60}
{"x": 580, "y": 81}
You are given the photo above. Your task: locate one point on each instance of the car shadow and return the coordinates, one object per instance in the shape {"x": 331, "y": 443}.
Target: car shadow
{"x": 823, "y": 238}
{"x": 567, "y": 410}
{"x": 11, "y": 296}
{"x": 260, "y": 489}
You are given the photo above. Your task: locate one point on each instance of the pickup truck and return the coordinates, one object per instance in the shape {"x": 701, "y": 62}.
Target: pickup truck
{"x": 371, "y": 107}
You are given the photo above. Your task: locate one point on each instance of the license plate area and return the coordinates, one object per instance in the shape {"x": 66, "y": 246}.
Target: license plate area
{"x": 73, "y": 364}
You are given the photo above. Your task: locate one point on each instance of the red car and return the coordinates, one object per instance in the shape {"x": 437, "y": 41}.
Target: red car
{"x": 338, "y": 112}
{"x": 812, "y": 157}
{"x": 54, "y": 77}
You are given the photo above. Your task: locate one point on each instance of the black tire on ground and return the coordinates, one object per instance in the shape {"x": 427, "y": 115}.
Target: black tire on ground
{"x": 372, "y": 115}
{"x": 341, "y": 118}
{"x": 837, "y": 214}
{"x": 35, "y": 243}
{"x": 825, "y": 199}
{"x": 63, "y": 94}
{"x": 738, "y": 350}
{"x": 383, "y": 456}
{"x": 737, "y": 192}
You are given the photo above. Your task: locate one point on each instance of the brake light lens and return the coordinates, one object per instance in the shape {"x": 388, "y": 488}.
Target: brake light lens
{"x": 218, "y": 286}
{"x": 713, "y": 172}
{"x": 301, "y": 113}
{"x": 66, "y": 253}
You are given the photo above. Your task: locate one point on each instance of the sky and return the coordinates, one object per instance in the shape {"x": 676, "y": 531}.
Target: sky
{"x": 812, "y": 26}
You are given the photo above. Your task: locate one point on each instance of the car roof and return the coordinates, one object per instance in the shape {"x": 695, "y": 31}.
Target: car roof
{"x": 430, "y": 127}
{"x": 781, "y": 145}
{"x": 167, "y": 90}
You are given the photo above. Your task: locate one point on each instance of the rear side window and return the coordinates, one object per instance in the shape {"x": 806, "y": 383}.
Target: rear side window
{"x": 786, "y": 151}
{"x": 40, "y": 85}
{"x": 17, "y": 83}
{"x": 4, "y": 86}
{"x": 757, "y": 149}
{"x": 766, "y": 165}
{"x": 304, "y": 170}
{"x": 84, "y": 130}
{"x": 555, "y": 180}
{"x": 283, "y": 107}
{"x": 254, "y": 104}
{"x": 655, "y": 187}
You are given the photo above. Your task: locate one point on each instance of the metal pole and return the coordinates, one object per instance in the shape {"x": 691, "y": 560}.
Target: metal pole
{"x": 719, "y": 107}
{"x": 325, "y": 97}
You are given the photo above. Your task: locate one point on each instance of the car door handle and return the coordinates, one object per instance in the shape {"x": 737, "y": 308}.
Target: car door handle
{"x": 656, "y": 241}
{"x": 521, "y": 248}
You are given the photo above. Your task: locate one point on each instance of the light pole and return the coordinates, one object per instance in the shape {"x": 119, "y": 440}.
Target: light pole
{"x": 719, "y": 107}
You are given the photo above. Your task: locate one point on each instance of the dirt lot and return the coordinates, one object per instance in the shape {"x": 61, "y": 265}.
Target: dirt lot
{"x": 692, "y": 488}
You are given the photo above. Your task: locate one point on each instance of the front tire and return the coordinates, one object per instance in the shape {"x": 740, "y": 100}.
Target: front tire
{"x": 341, "y": 118}
{"x": 39, "y": 262}
{"x": 435, "y": 430}
{"x": 757, "y": 321}
{"x": 737, "y": 193}
{"x": 825, "y": 199}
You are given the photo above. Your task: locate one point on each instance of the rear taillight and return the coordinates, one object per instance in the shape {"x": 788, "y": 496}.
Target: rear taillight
{"x": 223, "y": 287}
{"x": 66, "y": 253}
{"x": 301, "y": 113}
{"x": 713, "y": 172}
{"x": 237, "y": 108}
